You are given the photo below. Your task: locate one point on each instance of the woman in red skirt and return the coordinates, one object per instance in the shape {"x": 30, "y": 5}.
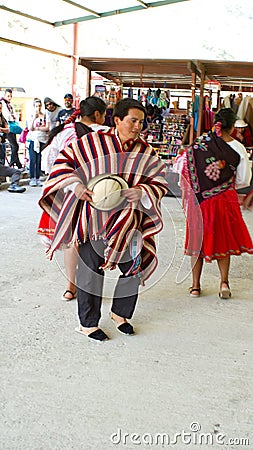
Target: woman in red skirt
{"x": 213, "y": 166}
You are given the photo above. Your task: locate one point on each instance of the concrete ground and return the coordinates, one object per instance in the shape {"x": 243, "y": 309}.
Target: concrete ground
{"x": 183, "y": 381}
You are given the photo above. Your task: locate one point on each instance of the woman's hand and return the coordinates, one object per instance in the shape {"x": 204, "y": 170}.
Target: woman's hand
{"x": 132, "y": 194}
{"x": 82, "y": 193}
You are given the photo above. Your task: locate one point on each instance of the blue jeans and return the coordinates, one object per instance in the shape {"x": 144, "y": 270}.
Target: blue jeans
{"x": 35, "y": 161}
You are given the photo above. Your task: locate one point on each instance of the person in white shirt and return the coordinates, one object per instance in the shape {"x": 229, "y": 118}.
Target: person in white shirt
{"x": 37, "y": 140}
{"x": 52, "y": 111}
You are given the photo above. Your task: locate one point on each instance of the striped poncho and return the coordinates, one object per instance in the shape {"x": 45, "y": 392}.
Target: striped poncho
{"x": 76, "y": 220}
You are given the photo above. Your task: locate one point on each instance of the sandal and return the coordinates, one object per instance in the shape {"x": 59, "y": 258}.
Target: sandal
{"x": 124, "y": 328}
{"x": 194, "y": 292}
{"x": 225, "y": 291}
{"x": 71, "y": 293}
{"x": 97, "y": 335}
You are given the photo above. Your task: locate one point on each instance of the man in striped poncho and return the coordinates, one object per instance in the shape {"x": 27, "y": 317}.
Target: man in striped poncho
{"x": 123, "y": 236}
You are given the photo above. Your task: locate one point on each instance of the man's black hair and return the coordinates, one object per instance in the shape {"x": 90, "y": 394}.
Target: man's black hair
{"x": 122, "y": 107}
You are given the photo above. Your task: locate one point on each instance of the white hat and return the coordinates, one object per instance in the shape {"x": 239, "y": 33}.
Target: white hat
{"x": 240, "y": 124}
{"x": 107, "y": 191}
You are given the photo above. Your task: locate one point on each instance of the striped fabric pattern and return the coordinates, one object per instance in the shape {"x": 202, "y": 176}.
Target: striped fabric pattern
{"x": 76, "y": 221}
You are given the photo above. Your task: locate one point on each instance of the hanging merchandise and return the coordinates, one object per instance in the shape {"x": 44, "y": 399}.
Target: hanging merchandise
{"x": 158, "y": 92}
{"x": 148, "y": 96}
{"x": 112, "y": 97}
{"x": 195, "y": 111}
{"x": 237, "y": 102}
{"x": 143, "y": 99}
{"x": 119, "y": 94}
{"x": 154, "y": 98}
{"x": 162, "y": 102}
{"x": 208, "y": 115}
{"x": 130, "y": 92}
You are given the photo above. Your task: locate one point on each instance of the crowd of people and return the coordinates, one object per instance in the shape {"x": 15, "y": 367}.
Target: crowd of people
{"x": 35, "y": 136}
{"x": 101, "y": 201}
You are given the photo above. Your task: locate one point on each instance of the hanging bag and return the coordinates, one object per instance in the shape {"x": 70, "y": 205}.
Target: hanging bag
{"x": 23, "y": 135}
{"x": 14, "y": 127}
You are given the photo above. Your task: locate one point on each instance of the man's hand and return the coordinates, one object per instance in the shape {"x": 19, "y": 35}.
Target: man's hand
{"x": 132, "y": 194}
{"x": 82, "y": 193}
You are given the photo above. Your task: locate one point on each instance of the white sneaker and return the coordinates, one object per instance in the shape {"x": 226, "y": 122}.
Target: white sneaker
{"x": 33, "y": 182}
{"x": 39, "y": 183}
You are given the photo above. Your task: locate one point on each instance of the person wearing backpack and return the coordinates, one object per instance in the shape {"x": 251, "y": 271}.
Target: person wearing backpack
{"x": 10, "y": 116}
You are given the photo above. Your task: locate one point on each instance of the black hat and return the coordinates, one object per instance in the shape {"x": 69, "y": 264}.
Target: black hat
{"x": 68, "y": 96}
{"x": 49, "y": 100}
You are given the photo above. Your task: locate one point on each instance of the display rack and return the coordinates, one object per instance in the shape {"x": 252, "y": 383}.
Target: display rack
{"x": 168, "y": 136}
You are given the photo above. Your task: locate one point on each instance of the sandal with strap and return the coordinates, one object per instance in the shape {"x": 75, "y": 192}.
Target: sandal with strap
{"x": 71, "y": 297}
{"x": 124, "y": 328}
{"x": 225, "y": 291}
{"x": 97, "y": 335}
{"x": 194, "y": 292}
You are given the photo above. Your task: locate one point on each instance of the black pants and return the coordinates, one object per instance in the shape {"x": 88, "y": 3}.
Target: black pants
{"x": 2, "y": 154}
{"x": 90, "y": 281}
{"x": 12, "y": 138}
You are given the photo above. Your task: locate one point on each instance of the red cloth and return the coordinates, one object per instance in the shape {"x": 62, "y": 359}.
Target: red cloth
{"x": 247, "y": 137}
{"x": 46, "y": 225}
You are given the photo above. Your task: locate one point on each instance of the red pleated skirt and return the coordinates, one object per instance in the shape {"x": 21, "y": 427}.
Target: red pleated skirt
{"x": 215, "y": 229}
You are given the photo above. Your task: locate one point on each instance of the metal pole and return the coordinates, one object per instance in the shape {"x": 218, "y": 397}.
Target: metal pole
{"x": 75, "y": 64}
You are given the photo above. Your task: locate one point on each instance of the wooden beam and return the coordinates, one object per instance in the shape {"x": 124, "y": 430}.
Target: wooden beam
{"x": 79, "y": 6}
{"x": 193, "y": 68}
{"x": 88, "y": 85}
{"x": 34, "y": 47}
{"x": 28, "y": 16}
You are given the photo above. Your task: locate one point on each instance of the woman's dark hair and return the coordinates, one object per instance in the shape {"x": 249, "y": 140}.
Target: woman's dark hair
{"x": 150, "y": 110}
{"x": 227, "y": 117}
{"x": 122, "y": 107}
{"x": 1, "y": 114}
{"x": 87, "y": 108}
{"x": 90, "y": 105}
